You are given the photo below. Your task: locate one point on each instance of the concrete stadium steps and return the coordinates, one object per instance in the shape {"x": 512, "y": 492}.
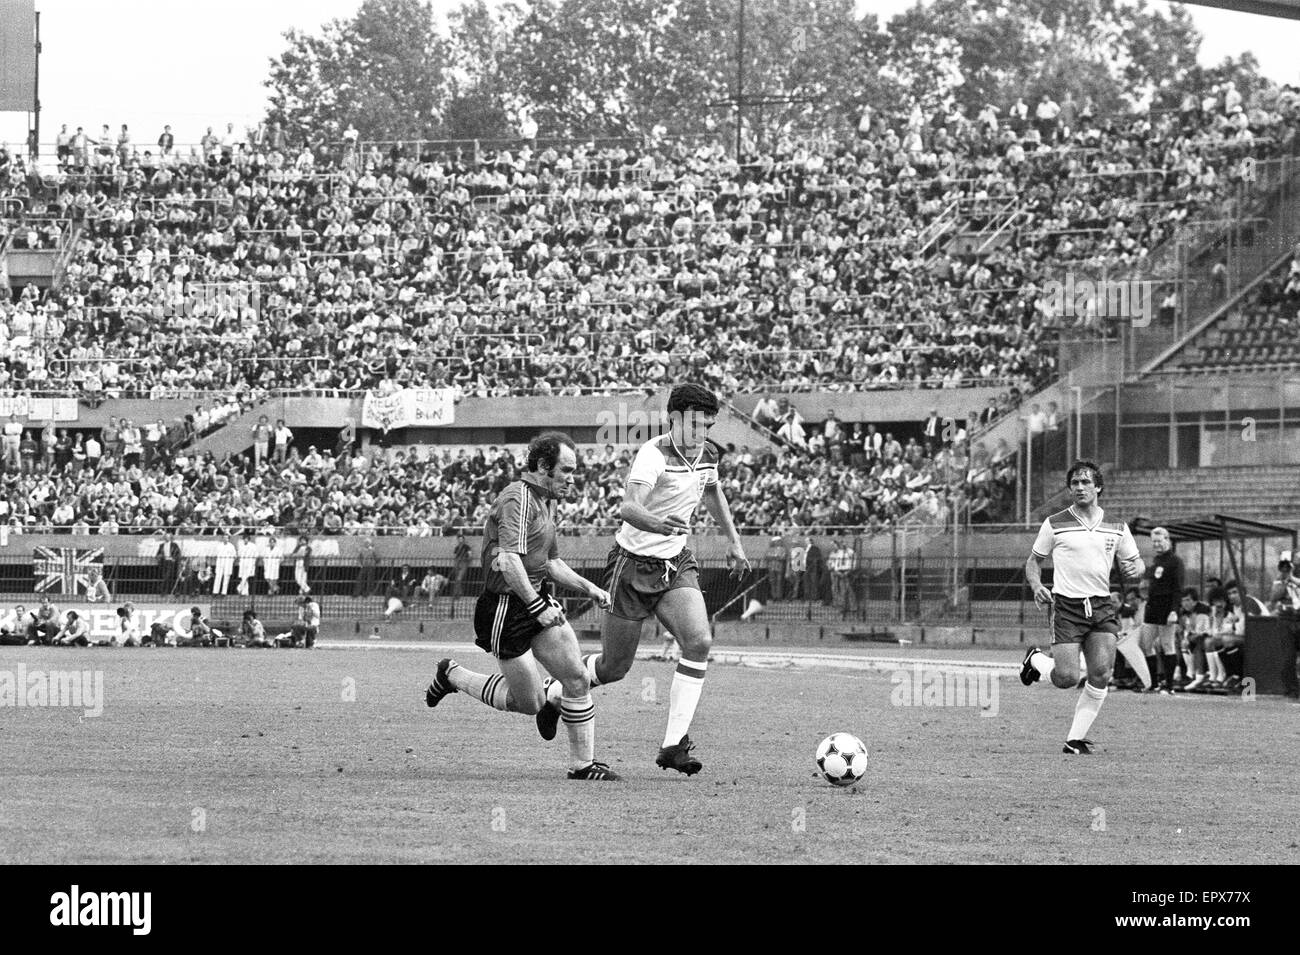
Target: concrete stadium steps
{"x": 236, "y": 435}
{"x": 1270, "y": 494}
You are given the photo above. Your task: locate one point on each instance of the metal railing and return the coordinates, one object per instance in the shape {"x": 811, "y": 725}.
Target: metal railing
{"x": 903, "y": 589}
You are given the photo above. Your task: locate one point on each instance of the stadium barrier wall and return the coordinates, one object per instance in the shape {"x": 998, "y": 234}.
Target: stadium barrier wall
{"x": 975, "y": 581}
{"x": 487, "y": 414}
{"x": 876, "y": 591}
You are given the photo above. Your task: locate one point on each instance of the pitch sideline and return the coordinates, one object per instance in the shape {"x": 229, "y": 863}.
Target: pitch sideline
{"x": 739, "y": 657}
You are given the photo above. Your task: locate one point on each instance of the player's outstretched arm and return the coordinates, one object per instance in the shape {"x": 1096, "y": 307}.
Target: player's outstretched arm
{"x": 717, "y": 506}
{"x": 566, "y": 576}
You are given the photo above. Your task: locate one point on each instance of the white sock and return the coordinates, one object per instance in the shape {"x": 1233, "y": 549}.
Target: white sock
{"x": 1215, "y": 665}
{"x": 1133, "y": 655}
{"x": 1086, "y": 710}
{"x": 1190, "y": 664}
{"x": 753, "y": 609}
{"x": 491, "y": 690}
{"x": 1043, "y": 663}
{"x": 590, "y": 661}
{"x": 688, "y": 682}
{"x": 554, "y": 691}
{"x": 579, "y": 716}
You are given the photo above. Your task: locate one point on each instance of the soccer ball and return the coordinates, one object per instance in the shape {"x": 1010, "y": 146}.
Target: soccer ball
{"x": 842, "y": 759}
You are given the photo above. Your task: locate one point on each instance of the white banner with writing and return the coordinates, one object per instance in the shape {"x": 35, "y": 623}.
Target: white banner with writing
{"x": 408, "y": 408}
{"x": 40, "y": 409}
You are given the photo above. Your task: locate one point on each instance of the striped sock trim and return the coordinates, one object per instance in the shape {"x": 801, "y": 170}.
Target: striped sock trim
{"x": 690, "y": 668}
{"x": 577, "y": 710}
{"x": 495, "y": 685}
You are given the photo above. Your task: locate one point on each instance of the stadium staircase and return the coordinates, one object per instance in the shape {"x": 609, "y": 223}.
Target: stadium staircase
{"x": 993, "y": 233}
{"x": 1256, "y": 237}
{"x": 235, "y": 436}
{"x": 943, "y": 225}
{"x": 736, "y": 427}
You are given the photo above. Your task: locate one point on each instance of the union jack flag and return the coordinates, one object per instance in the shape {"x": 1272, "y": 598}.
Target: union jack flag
{"x": 67, "y": 568}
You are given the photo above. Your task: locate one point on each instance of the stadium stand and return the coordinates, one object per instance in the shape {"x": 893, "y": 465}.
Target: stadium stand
{"x": 580, "y": 268}
{"x": 914, "y": 256}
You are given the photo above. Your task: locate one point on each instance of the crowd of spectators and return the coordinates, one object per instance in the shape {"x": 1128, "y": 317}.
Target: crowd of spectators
{"x": 128, "y": 479}
{"x": 559, "y": 270}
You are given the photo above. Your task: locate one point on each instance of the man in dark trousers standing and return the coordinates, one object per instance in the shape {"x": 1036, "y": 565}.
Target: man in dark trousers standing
{"x": 365, "y": 586}
{"x": 1158, "y": 639}
{"x": 169, "y": 562}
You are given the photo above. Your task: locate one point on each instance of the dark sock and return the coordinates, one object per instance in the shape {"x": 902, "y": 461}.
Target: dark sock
{"x": 1168, "y": 663}
{"x": 1232, "y": 661}
{"x": 1153, "y": 667}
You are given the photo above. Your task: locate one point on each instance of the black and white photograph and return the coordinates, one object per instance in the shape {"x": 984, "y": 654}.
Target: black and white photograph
{"x": 651, "y": 432}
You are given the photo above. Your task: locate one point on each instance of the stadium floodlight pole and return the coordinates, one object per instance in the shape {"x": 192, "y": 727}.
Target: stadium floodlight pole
{"x": 740, "y": 76}
{"x": 35, "y": 146}
{"x": 1078, "y": 421}
{"x": 1029, "y": 474}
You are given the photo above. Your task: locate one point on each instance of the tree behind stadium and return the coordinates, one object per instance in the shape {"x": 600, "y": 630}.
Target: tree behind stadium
{"x": 623, "y": 67}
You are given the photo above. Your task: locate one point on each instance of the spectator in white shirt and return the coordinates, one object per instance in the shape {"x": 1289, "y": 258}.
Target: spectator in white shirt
{"x": 283, "y": 438}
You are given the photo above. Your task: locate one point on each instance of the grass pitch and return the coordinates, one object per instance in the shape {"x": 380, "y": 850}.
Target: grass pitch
{"x": 234, "y": 756}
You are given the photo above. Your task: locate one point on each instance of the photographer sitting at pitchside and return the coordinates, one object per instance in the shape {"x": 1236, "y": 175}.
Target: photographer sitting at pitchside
{"x": 195, "y": 632}
{"x": 75, "y": 632}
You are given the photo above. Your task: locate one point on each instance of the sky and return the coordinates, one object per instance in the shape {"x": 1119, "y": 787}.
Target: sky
{"x": 200, "y": 63}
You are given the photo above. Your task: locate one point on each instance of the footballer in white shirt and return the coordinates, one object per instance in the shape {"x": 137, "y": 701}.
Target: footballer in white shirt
{"x": 1083, "y": 546}
{"x": 651, "y": 570}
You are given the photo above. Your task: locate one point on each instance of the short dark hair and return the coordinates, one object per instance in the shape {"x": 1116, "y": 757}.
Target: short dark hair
{"x": 544, "y": 450}
{"x": 1081, "y": 465}
{"x": 1189, "y": 592}
{"x": 692, "y": 397}
{"x": 1218, "y": 593}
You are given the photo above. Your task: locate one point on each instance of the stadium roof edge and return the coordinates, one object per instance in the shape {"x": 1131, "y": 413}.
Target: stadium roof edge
{"x": 1211, "y": 527}
{"x": 1267, "y": 8}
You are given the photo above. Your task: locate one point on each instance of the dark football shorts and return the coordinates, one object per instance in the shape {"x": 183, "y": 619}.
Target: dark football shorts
{"x": 636, "y": 584}
{"x": 1158, "y": 609}
{"x": 503, "y": 626}
{"x": 1071, "y": 622}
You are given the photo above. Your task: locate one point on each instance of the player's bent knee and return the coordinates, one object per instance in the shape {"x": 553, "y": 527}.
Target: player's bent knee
{"x": 531, "y": 705}
{"x": 696, "y": 643}
{"x": 1064, "y": 679}
{"x": 613, "y": 669}
{"x": 1100, "y": 678}
{"x": 577, "y": 685}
